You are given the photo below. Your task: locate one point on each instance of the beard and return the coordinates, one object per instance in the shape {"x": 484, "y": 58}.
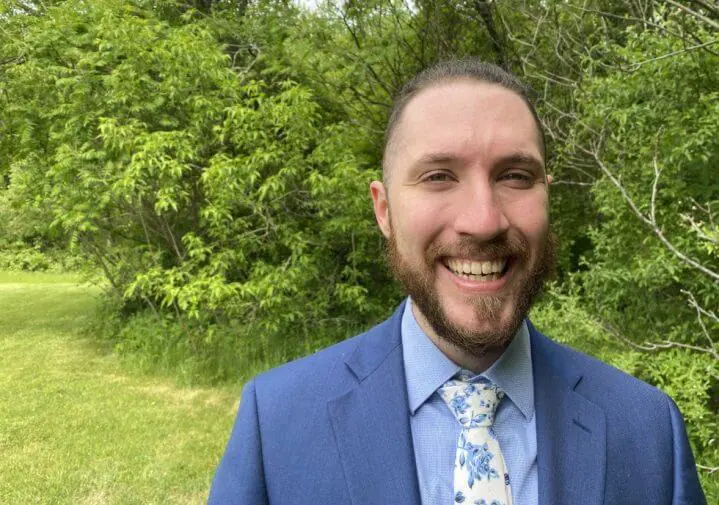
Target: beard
{"x": 418, "y": 282}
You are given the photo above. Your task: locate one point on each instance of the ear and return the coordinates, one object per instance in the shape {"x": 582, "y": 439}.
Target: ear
{"x": 381, "y": 207}
{"x": 550, "y": 179}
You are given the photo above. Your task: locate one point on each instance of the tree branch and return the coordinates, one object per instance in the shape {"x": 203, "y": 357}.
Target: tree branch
{"x": 701, "y": 311}
{"x": 650, "y": 221}
{"x": 635, "y": 66}
{"x": 657, "y": 346}
{"x": 696, "y": 14}
{"x": 484, "y": 9}
{"x": 696, "y": 226}
{"x": 573, "y": 183}
{"x": 710, "y": 469}
{"x": 713, "y": 8}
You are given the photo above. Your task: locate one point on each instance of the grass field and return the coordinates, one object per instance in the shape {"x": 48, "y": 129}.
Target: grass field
{"x": 77, "y": 429}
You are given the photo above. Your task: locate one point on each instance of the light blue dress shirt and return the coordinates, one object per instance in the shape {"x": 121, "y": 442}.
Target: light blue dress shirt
{"x": 435, "y": 430}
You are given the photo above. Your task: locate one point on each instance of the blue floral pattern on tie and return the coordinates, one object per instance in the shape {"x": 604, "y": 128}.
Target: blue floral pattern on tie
{"x": 458, "y": 404}
{"x": 478, "y": 459}
{"x": 480, "y": 476}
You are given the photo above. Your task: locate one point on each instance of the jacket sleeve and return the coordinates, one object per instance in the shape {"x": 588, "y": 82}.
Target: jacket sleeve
{"x": 687, "y": 490}
{"x": 240, "y": 478}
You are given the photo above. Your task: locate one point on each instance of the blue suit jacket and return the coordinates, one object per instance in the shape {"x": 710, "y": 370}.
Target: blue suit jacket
{"x": 333, "y": 428}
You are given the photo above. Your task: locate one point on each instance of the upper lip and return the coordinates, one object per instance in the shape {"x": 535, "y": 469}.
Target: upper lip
{"x": 482, "y": 258}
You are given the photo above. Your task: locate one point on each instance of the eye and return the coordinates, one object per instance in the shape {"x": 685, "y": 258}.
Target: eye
{"x": 437, "y": 177}
{"x": 518, "y": 178}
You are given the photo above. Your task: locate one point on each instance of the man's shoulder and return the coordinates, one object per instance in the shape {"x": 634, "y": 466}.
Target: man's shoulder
{"x": 321, "y": 361}
{"x": 600, "y": 382}
{"x": 324, "y": 373}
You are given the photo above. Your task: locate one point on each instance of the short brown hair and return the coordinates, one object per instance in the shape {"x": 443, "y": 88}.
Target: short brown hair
{"x": 451, "y": 70}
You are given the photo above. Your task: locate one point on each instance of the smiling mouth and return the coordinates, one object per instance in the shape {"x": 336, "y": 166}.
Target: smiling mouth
{"x": 479, "y": 271}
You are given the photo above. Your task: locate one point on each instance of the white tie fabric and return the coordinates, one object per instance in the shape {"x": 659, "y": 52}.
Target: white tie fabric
{"x": 480, "y": 475}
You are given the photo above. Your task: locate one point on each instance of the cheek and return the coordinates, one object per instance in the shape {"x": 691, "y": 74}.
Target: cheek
{"x": 417, "y": 223}
{"x": 532, "y": 221}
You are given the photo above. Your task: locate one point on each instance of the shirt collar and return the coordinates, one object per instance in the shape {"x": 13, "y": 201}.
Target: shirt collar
{"x": 427, "y": 368}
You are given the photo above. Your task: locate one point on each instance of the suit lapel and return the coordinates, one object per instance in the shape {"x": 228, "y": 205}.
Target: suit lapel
{"x": 571, "y": 431}
{"x": 374, "y": 441}
{"x": 371, "y": 422}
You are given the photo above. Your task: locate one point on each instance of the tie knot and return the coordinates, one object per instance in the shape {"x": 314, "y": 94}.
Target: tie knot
{"x": 473, "y": 404}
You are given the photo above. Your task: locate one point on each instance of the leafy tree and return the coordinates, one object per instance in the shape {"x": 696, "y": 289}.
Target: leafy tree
{"x": 202, "y": 188}
{"x": 212, "y": 158}
{"x": 650, "y": 124}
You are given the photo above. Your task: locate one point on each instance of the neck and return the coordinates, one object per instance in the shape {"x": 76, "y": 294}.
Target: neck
{"x": 459, "y": 356}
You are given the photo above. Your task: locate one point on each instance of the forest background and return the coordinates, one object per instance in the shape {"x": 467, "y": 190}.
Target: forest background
{"x": 207, "y": 162}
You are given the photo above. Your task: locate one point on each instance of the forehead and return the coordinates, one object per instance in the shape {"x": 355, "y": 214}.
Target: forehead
{"x": 468, "y": 119}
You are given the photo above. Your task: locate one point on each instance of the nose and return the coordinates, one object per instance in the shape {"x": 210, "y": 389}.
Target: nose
{"x": 480, "y": 213}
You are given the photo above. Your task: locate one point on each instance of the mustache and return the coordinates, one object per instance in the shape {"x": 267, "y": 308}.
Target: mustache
{"x": 471, "y": 247}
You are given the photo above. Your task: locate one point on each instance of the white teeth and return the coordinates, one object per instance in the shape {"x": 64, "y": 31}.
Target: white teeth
{"x": 477, "y": 270}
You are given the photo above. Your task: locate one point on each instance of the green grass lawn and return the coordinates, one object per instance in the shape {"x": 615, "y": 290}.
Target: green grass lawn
{"x": 77, "y": 429}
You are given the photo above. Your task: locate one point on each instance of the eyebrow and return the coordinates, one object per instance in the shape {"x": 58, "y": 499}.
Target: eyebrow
{"x": 515, "y": 158}
{"x": 434, "y": 158}
{"x": 520, "y": 158}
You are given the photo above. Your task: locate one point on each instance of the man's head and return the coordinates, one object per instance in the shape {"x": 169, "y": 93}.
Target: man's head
{"x": 466, "y": 211}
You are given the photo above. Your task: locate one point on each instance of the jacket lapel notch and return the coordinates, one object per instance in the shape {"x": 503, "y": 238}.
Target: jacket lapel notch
{"x": 571, "y": 451}
{"x": 571, "y": 434}
{"x": 371, "y": 423}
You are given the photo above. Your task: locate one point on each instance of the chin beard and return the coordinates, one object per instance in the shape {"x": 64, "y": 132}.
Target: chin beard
{"x": 418, "y": 283}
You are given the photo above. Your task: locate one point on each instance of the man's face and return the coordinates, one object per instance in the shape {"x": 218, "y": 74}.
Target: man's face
{"x": 466, "y": 211}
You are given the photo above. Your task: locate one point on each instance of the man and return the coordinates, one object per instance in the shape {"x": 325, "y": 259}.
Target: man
{"x": 457, "y": 398}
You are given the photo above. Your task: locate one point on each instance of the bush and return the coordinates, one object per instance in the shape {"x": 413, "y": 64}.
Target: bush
{"x": 221, "y": 198}
{"x": 20, "y": 256}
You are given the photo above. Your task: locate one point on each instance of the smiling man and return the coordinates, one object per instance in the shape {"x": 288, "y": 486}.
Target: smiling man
{"x": 457, "y": 398}
{"x": 469, "y": 228}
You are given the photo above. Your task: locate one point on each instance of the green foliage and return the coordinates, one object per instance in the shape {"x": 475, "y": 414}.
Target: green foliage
{"x": 218, "y": 197}
{"x": 20, "y": 256}
{"x": 212, "y": 160}
{"x": 651, "y": 276}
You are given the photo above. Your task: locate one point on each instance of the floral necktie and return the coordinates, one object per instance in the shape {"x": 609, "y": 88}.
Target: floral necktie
{"x": 480, "y": 475}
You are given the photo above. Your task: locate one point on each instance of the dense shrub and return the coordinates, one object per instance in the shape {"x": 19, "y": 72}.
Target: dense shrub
{"x": 218, "y": 198}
